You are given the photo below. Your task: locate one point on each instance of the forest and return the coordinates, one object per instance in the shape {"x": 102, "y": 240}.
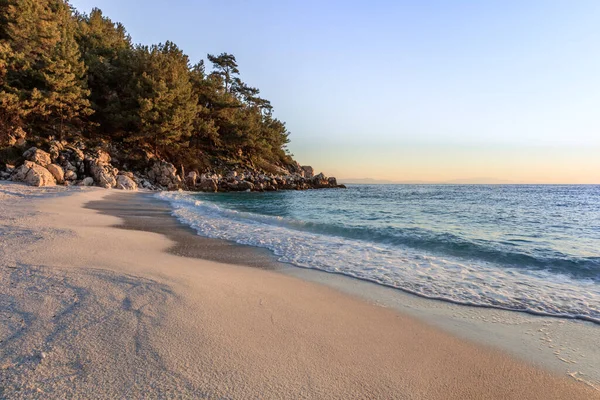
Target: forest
{"x": 71, "y": 76}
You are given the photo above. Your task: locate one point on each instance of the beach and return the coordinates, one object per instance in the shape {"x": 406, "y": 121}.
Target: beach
{"x": 106, "y": 295}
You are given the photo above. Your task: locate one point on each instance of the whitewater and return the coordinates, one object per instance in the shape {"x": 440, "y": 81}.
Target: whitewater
{"x": 530, "y": 248}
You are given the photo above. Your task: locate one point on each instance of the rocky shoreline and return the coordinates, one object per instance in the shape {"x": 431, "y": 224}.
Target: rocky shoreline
{"x": 75, "y": 165}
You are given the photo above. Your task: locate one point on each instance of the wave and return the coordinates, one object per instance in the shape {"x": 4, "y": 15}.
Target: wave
{"x": 439, "y": 266}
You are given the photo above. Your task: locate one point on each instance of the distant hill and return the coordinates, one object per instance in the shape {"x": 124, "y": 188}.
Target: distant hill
{"x": 466, "y": 181}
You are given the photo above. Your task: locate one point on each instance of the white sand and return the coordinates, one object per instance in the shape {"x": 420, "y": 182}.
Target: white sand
{"x": 91, "y": 311}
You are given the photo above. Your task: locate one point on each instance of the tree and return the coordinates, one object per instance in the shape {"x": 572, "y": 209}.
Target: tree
{"x": 42, "y": 76}
{"x": 225, "y": 67}
{"x": 167, "y": 105}
{"x": 106, "y": 49}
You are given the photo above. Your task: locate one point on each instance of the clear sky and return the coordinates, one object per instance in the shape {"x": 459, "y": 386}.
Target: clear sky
{"x": 408, "y": 90}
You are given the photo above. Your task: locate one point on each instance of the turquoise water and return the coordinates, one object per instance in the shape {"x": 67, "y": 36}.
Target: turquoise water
{"x": 528, "y": 248}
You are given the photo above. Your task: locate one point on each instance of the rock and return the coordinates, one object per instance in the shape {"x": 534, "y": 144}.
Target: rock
{"x": 100, "y": 156}
{"x": 164, "y": 174}
{"x": 320, "y": 181}
{"x": 75, "y": 153}
{"x": 38, "y": 156}
{"x": 332, "y": 182}
{"x": 55, "y": 148}
{"x": 33, "y": 174}
{"x": 103, "y": 174}
{"x": 70, "y": 176}
{"x": 4, "y": 175}
{"x": 89, "y": 181}
{"x": 191, "y": 179}
{"x": 309, "y": 172}
{"x": 125, "y": 183}
{"x": 127, "y": 174}
{"x": 231, "y": 176}
{"x": 57, "y": 172}
{"x": 245, "y": 185}
{"x": 209, "y": 185}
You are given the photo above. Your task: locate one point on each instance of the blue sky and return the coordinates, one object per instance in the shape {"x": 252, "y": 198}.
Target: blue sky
{"x": 408, "y": 90}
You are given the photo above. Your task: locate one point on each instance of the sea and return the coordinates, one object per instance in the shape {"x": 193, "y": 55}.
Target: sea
{"x": 527, "y": 248}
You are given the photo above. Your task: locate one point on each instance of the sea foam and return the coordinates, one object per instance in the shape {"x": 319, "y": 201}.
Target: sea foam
{"x": 416, "y": 271}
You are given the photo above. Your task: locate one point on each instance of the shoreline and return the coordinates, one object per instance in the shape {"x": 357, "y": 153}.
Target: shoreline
{"x": 489, "y": 326}
{"x": 112, "y": 312}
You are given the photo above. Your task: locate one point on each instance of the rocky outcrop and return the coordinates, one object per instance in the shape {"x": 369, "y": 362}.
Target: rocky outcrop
{"x": 33, "y": 174}
{"x": 164, "y": 174}
{"x": 308, "y": 171}
{"x": 38, "y": 156}
{"x": 74, "y": 164}
{"x": 125, "y": 183}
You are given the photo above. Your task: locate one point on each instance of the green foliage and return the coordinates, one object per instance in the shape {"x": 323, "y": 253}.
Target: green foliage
{"x": 167, "y": 105}
{"x": 63, "y": 73}
{"x": 42, "y": 73}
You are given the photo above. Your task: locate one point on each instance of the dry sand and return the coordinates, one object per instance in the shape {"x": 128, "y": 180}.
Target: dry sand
{"x": 88, "y": 310}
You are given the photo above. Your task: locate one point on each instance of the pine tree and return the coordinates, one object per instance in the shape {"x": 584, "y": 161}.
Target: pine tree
{"x": 42, "y": 83}
{"x": 225, "y": 67}
{"x": 167, "y": 102}
{"x": 106, "y": 49}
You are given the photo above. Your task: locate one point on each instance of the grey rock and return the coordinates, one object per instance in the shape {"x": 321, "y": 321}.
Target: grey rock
{"x": 70, "y": 176}
{"x": 89, "y": 181}
{"x": 125, "y": 183}
{"x": 33, "y": 174}
{"x": 57, "y": 172}
{"x": 191, "y": 179}
{"x": 164, "y": 174}
{"x": 38, "y": 156}
{"x": 308, "y": 171}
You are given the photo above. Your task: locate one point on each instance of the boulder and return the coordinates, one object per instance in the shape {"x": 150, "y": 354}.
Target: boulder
{"x": 55, "y": 148}
{"x": 89, "y": 181}
{"x": 127, "y": 174}
{"x": 209, "y": 185}
{"x": 191, "y": 179}
{"x": 33, "y": 174}
{"x": 245, "y": 185}
{"x": 100, "y": 156}
{"x": 308, "y": 171}
{"x": 231, "y": 176}
{"x": 320, "y": 181}
{"x": 125, "y": 183}
{"x": 103, "y": 174}
{"x": 38, "y": 156}
{"x": 57, "y": 172}
{"x": 70, "y": 176}
{"x": 164, "y": 174}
